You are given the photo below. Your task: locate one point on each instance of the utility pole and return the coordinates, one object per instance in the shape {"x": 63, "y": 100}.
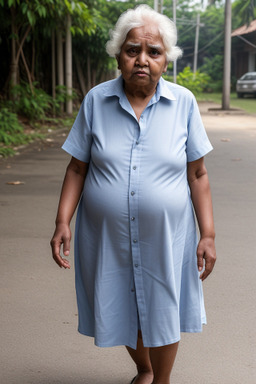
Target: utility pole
{"x": 196, "y": 43}
{"x": 227, "y": 58}
{"x": 156, "y": 8}
{"x": 158, "y": 5}
{"x": 161, "y": 6}
{"x": 175, "y": 61}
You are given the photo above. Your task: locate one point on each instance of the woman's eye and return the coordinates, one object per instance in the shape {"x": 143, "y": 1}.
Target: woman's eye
{"x": 132, "y": 51}
{"x": 154, "y": 52}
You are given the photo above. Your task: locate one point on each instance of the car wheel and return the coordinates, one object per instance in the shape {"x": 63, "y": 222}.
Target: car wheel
{"x": 239, "y": 95}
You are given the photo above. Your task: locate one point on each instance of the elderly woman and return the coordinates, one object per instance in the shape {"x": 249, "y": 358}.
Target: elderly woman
{"x": 137, "y": 167}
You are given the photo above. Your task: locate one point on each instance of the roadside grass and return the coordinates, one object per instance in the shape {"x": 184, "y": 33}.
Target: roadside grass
{"x": 247, "y": 104}
{"x": 31, "y": 132}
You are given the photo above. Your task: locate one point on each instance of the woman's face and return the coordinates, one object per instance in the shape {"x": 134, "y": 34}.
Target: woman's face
{"x": 142, "y": 59}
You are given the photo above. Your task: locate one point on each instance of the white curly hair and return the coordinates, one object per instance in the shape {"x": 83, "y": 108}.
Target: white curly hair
{"x": 138, "y": 17}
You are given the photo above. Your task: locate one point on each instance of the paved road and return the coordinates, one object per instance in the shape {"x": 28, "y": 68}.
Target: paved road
{"x": 39, "y": 341}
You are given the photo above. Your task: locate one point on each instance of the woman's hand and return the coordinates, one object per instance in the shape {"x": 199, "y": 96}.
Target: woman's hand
{"x": 202, "y": 201}
{"x": 70, "y": 195}
{"x": 206, "y": 256}
{"x": 61, "y": 238}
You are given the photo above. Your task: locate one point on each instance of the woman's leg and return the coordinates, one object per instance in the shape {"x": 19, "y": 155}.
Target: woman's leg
{"x": 162, "y": 360}
{"x": 153, "y": 363}
{"x": 142, "y": 360}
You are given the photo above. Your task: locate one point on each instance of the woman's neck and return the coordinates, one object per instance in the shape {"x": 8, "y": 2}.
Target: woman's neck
{"x": 139, "y": 93}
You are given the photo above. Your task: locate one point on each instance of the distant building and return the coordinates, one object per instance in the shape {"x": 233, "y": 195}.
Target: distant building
{"x": 244, "y": 49}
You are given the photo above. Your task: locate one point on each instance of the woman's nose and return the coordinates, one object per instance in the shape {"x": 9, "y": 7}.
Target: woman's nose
{"x": 142, "y": 59}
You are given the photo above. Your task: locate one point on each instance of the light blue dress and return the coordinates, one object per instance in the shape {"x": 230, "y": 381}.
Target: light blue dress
{"x": 135, "y": 240}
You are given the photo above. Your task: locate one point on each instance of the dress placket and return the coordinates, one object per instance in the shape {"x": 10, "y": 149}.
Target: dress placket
{"x": 134, "y": 197}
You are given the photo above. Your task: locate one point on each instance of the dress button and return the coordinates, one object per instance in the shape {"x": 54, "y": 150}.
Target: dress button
{"x": 135, "y": 241}
{"x": 132, "y": 290}
{"x": 134, "y": 167}
{"x": 132, "y": 218}
{"x": 136, "y": 265}
{"x": 132, "y": 193}
{"x": 137, "y": 142}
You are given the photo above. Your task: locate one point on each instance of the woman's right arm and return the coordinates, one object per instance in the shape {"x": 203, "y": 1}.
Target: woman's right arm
{"x": 70, "y": 195}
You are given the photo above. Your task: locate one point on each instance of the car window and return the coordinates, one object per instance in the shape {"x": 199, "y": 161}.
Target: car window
{"x": 249, "y": 77}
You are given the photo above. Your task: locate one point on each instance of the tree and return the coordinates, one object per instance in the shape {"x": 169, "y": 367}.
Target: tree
{"x": 89, "y": 49}
{"x": 23, "y": 17}
{"x": 245, "y": 10}
{"x": 25, "y": 26}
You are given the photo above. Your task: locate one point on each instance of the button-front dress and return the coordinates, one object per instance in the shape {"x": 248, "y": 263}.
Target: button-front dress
{"x": 135, "y": 237}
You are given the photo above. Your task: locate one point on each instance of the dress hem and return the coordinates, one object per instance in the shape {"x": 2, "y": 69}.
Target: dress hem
{"x": 131, "y": 345}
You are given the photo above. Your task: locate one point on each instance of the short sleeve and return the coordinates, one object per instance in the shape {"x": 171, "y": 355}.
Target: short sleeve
{"x": 198, "y": 144}
{"x": 78, "y": 142}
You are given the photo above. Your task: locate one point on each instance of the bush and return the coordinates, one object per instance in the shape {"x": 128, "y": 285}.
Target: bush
{"x": 34, "y": 105}
{"x": 38, "y": 105}
{"x": 61, "y": 97}
{"x": 11, "y": 133}
{"x": 195, "y": 82}
{"x": 214, "y": 68}
{"x": 10, "y": 128}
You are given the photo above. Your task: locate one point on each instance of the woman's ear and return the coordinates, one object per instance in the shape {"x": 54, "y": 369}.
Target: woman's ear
{"x": 166, "y": 66}
{"x": 118, "y": 61}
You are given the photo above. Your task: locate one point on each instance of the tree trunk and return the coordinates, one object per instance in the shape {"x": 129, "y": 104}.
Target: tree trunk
{"x": 27, "y": 71}
{"x": 33, "y": 61}
{"x": 53, "y": 70}
{"x": 60, "y": 63}
{"x": 94, "y": 72}
{"x": 69, "y": 102}
{"x": 80, "y": 75}
{"x": 14, "y": 64}
{"x": 227, "y": 58}
{"x": 16, "y": 53}
{"x": 89, "y": 76}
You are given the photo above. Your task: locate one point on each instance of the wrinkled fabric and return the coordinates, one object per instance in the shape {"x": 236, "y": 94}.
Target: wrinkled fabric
{"x": 135, "y": 238}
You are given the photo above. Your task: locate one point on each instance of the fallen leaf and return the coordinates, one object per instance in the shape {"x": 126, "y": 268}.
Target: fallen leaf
{"x": 15, "y": 182}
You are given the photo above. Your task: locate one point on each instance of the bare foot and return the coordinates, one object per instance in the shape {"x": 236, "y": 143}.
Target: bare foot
{"x": 144, "y": 378}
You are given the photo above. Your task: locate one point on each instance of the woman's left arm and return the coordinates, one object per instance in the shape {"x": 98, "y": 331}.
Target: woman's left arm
{"x": 202, "y": 202}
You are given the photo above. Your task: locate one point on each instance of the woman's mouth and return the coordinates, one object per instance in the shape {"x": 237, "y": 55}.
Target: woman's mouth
{"x": 141, "y": 74}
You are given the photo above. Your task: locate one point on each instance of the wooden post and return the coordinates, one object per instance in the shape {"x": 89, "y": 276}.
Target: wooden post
{"x": 227, "y": 58}
{"x": 196, "y": 43}
{"x": 175, "y": 61}
{"x": 69, "y": 102}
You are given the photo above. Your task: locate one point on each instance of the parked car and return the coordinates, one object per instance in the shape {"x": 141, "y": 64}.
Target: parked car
{"x": 246, "y": 85}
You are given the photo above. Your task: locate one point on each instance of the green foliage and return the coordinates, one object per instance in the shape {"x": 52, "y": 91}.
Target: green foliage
{"x": 195, "y": 82}
{"x": 34, "y": 105}
{"x": 38, "y": 105}
{"x": 9, "y": 127}
{"x": 61, "y": 97}
{"x": 11, "y": 133}
{"x": 214, "y": 68}
{"x": 244, "y": 11}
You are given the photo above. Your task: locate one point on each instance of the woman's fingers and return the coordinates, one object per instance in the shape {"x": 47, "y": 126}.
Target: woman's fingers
{"x": 60, "y": 238}
{"x": 209, "y": 264}
{"x": 206, "y": 257}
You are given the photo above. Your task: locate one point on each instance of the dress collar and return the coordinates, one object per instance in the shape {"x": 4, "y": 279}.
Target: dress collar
{"x": 115, "y": 88}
